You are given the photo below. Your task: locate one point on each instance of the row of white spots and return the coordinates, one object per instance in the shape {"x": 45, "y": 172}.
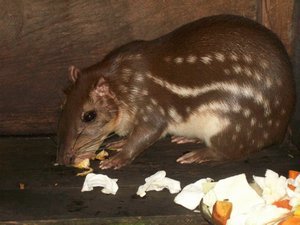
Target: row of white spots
{"x": 133, "y": 57}
{"x": 237, "y": 69}
{"x": 207, "y": 59}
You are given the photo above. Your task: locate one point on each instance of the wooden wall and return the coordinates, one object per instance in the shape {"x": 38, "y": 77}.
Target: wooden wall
{"x": 39, "y": 40}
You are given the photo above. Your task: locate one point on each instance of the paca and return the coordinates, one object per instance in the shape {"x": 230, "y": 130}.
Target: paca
{"x": 225, "y": 80}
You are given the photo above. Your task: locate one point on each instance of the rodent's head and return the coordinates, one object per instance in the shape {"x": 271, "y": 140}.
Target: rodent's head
{"x": 88, "y": 116}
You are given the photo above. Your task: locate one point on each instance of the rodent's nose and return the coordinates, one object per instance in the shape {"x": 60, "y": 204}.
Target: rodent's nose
{"x": 65, "y": 159}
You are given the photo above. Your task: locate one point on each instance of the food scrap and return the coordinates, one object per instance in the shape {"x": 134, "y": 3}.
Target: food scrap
{"x": 271, "y": 199}
{"x": 102, "y": 155}
{"x": 158, "y": 182}
{"x": 92, "y": 180}
{"x": 221, "y": 212}
{"x": 21, "y": 186}
{"x": 84, "y": 164}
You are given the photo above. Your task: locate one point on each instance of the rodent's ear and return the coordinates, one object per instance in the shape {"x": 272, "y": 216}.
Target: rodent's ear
{"x": 103, "y": 88}
{"x": 73, "y": 73}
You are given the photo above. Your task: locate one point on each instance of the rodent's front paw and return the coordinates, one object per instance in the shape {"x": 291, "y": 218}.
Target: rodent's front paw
{"x": 116, "y": 162}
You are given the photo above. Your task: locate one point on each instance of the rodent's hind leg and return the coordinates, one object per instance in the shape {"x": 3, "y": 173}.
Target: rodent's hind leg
{"x": 184, "y": 140}
{"x": 200, "y": 156}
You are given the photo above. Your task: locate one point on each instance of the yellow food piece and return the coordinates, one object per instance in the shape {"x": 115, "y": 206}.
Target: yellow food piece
{"x": 102, "y": 155}
{"x": 84, "y": 164}
{"x": 221, "y": 212}
{"x": 84, "y": 173}
{"x": 293, "y": 220}
{"x": 297, "y": 211}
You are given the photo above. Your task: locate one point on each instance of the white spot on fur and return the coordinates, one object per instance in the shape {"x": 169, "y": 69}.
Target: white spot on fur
{"x": 246, "y": 112}
{"x": 138, "y": 56}
{"x": 227, "y": 71}
{"x": 253, "y": 122}
{"x": 126, "y": 70}
{"x": 236, "y": 108}
{"x": 153, "y": 101}
{"x": 241, "y": 146}
{"x": 149, "y": 108}
{"x": 277, "y": 123}
{"x": 220, "y": 57}
{"x": 238, "y": 128}
{"x": 144, "y": 92}
{"x": 270, "y": 122}
{"x": 283, "y": 112}
{"x": 277, "y": 103}
{"x": 206, "y": 59}
{"x": 135, "y": 90}
{"x": 257, "y": 76}
{"x": 234, "y": 57}
{"x": 266, "y": 135}
{"x": 268, "y": 82}
{"x": 191, "y": 59}
{"x": 123, "y": 88}
{"x": 264, "y": 64}
{"x": 126, "y": 73}
{"x": 174, "y": 114}
{"x": 237, "y": 69}
{"x": 145, "y": 118}
{"x": 178, "y": 60}
{"x": 139, "y": 77}
{"x": 161, "y": 110}
{"x": 247, "y": 58}
{"x": 247, "y": 71}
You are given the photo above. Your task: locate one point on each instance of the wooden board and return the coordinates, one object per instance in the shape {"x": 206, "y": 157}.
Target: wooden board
{"x": 52, "y": 194}
{"x": 39, "y": 40}
{"x": 277, "y": 15}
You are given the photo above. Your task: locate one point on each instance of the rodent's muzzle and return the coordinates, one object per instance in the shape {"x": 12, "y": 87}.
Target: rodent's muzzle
{"x": 64, "y": 157}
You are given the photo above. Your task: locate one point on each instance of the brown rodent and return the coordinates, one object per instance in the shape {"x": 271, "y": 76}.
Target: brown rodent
{"x": 225, "y": 80}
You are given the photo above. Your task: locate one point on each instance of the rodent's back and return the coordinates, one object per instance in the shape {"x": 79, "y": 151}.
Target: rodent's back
{"x": 229, "y": 65}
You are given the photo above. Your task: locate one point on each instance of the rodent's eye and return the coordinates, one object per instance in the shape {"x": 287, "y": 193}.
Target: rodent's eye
{"x": 89, "y": 116}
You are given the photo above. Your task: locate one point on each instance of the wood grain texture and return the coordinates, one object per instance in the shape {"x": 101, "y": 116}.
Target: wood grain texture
{"x": 39, "y": 40}
{"x": 278, "y": 16}
{"x": 52, "y": 194}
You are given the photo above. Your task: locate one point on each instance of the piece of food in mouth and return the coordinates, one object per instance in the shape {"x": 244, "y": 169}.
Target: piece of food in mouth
{"x": 84, "y": 164}
{"x": 102, "y": 155}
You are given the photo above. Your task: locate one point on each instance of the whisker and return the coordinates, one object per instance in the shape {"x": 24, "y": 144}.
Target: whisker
{"x": 90, "y": 143}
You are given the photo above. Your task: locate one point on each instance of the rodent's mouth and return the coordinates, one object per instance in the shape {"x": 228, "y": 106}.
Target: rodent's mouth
{"x": 84, "y": 155}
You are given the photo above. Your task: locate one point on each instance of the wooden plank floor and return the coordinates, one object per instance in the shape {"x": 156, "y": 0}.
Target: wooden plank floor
{"x": 52, "y": 194}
